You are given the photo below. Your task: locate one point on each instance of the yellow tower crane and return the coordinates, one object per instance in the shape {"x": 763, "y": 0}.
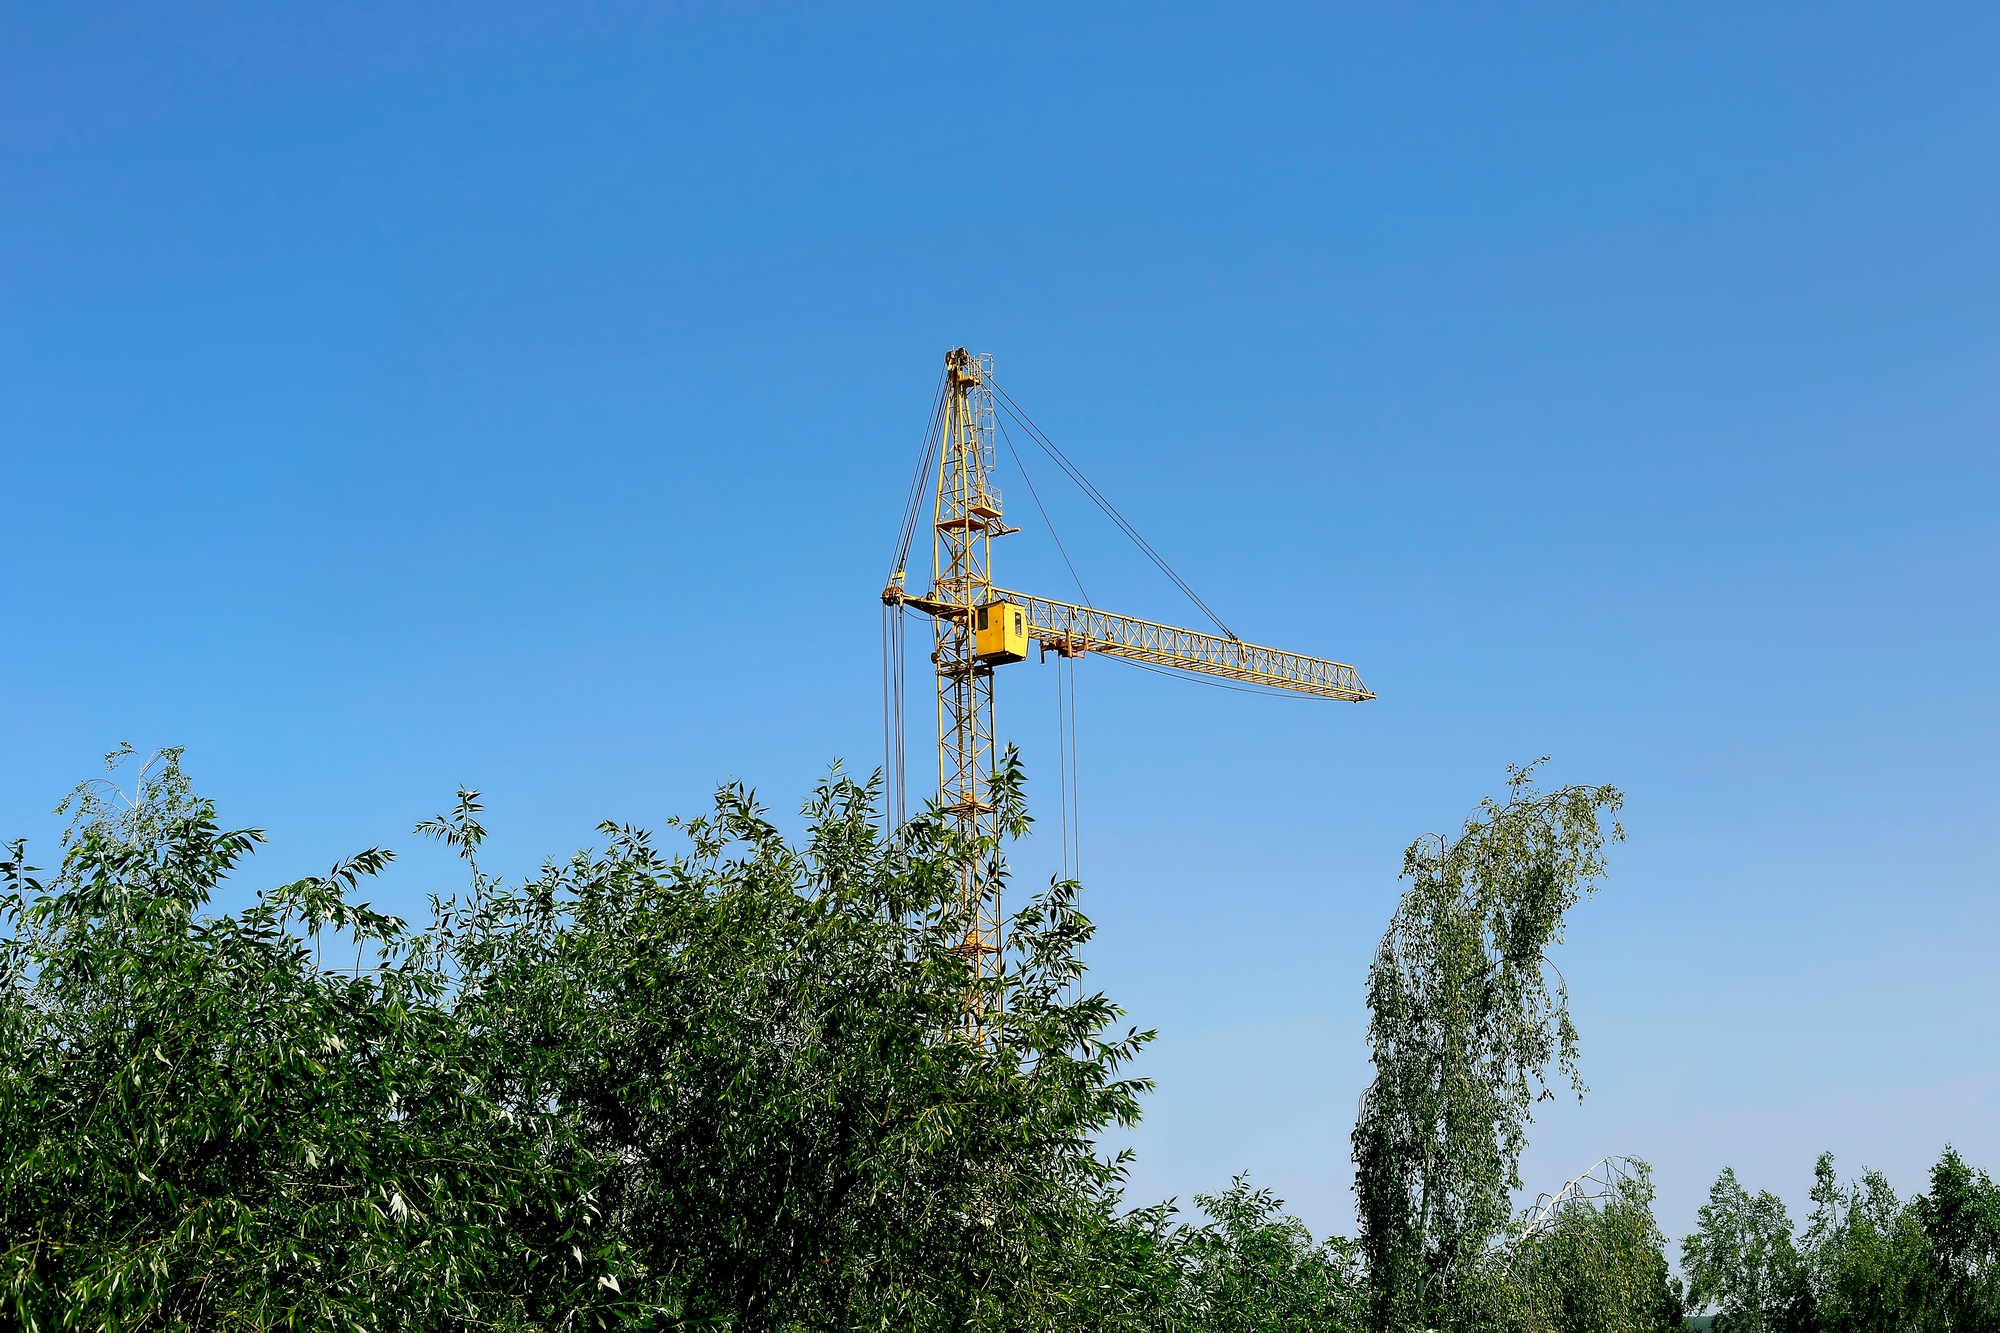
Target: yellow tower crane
{"x": 978, "y": 626}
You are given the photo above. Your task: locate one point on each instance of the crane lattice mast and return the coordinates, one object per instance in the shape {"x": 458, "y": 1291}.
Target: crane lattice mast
{"x": 977, "y": 627}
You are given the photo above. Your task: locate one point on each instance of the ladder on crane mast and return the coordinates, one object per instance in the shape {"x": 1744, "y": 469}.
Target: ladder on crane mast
{"x": 978, "y": 626}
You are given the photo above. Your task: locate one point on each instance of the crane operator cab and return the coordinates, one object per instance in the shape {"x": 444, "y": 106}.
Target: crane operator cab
{"x": 999, "y": 633}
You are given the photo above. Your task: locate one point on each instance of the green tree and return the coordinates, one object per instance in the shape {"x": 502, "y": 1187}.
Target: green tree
{"x": 763, "y": 1046}
{"x": 1466, "y": 1016}
{"x": 201, "y": 1127}
{"x": 1250, "y": 1268}
{"x": 1864, "y": 1255}
{"x": 728, "y": 1087}
{"x": 1255, "y": 1269}
{"x": 1865, "y": 1263}
{"x": 1597, "y": 1266}
{"x": 1742, "y": 1260}
{"x": 1960, "y": 1221}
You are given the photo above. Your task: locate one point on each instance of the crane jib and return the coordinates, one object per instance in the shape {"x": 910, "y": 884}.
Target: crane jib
{"x": 1067, "y": 628}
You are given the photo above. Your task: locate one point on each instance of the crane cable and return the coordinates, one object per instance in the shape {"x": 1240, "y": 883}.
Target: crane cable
{"x": 895, "y": 780}
{"x": 1036, "y": 495}
{"x": 1072, "y": 783}
{"x": 920, "y": 482}
{"x": 1068, "y": 780}
{"x": 1097, "y": 497}
{"x": 895, "y": 774}
{"x": 1067, "y": 776}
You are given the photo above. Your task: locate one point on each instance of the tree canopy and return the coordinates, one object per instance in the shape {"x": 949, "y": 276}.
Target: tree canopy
{"x": 728, "y": 1085}
{"x": 721, "y": 1078}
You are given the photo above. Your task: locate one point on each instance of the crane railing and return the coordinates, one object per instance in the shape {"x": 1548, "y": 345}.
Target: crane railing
{"x": 1074, "y": 630}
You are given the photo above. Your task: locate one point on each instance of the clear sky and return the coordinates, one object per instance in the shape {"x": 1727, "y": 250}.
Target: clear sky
{"x": 394, "y": 396}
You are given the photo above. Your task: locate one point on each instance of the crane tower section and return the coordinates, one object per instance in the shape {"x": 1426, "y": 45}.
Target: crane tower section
{"x": 967, "y": 520}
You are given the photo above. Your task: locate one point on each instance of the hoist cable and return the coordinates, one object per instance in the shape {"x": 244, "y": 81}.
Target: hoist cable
{"x": 1062, "y": 766}
{"x": 894, "y": 778}
{"x": 895, "y": 771}
{"x": 1075, "y": 784}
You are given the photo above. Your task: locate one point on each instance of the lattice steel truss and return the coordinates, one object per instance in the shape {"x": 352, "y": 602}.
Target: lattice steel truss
{"x": 967, "y": 519}
{"x": 1074, "y": 630}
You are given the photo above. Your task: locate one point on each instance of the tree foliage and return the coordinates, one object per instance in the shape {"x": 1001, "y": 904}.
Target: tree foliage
{"x": 1466, "y": 1017}
{"x": 1865, "y": 1260}
{"x": 1598, "y": 1267}
{"x": 727, "y": 1086}
{"x": 760, "y": 1049}
{"x": 722, "y": 1079}
{"x": 1248, "y": 1268}
{"x": 1742, "y": 1257}
{"x": 204, "y": 1127}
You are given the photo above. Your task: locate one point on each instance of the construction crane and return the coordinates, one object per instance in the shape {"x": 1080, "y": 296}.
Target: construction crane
{"x": 978, "y": 627}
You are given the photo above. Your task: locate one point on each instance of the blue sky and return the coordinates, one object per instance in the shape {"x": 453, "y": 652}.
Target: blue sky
{"x": 399, "y": 396}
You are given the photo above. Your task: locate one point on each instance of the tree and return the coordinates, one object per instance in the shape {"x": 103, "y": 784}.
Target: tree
{"x": 202, "y": 1127}
{"x": 1250, "y": 1268}
{"x": 1741, "y": 1259}
{"x": 1254, "y": 1269}
{"x": 1598, "y": 1266}
{"x": 1465, "y": 1021}
{"x": 730, "y": 1087}
{"x": 1865, "y": 1263}
{"x": 763, "y": 1046}
{"x": 1863, "y": 1256}
{"x": 1960, "y": 1221}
